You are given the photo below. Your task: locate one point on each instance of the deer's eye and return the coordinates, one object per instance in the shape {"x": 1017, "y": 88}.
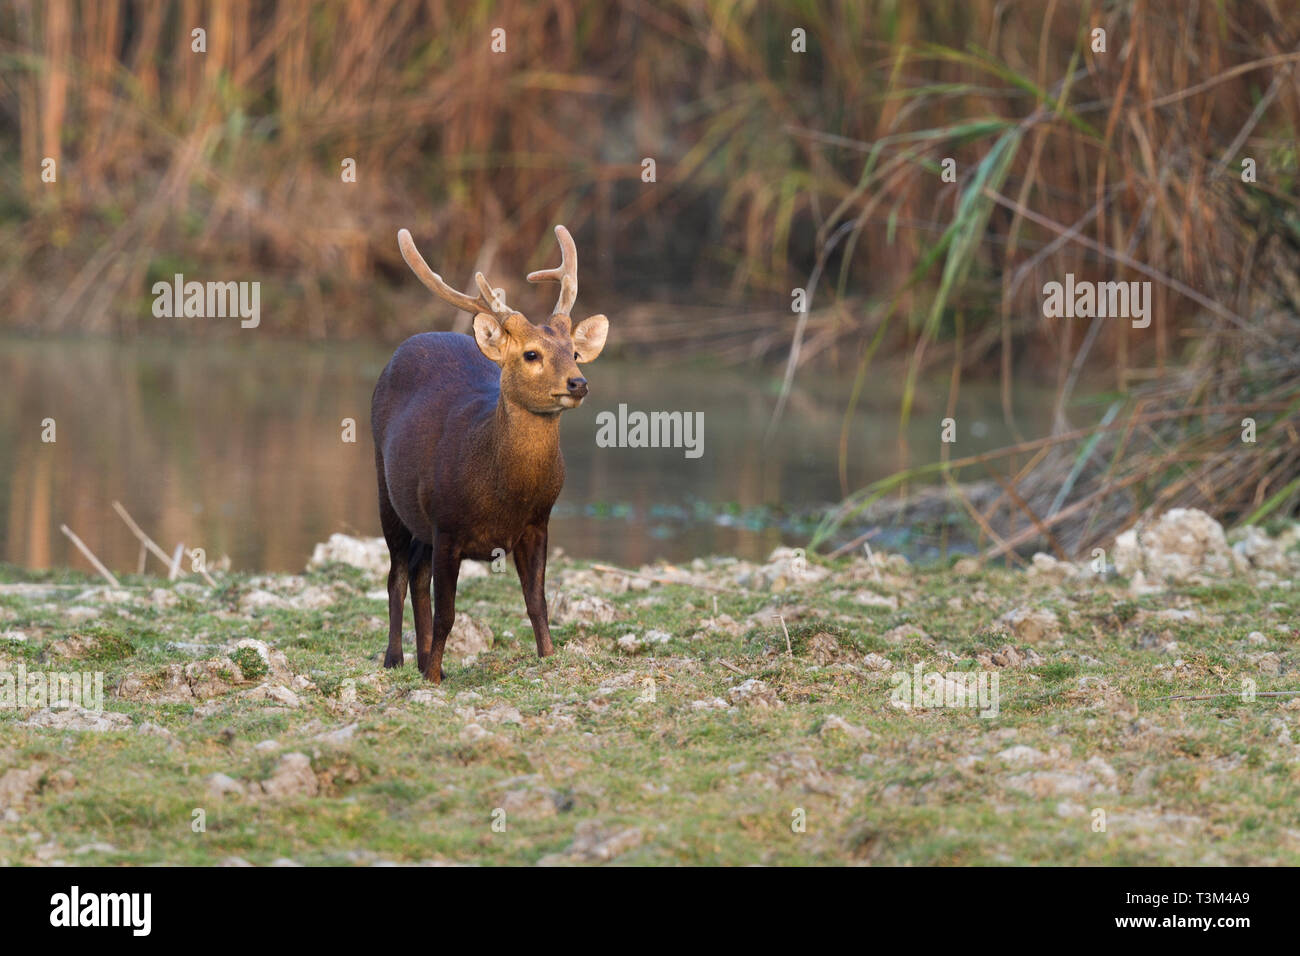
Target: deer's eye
{"x": 575, "y": 356}
{"x": 531, "y": 356}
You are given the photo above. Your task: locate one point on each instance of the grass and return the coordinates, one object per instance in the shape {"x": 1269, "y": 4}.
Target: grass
{"x": 589, "y": 765}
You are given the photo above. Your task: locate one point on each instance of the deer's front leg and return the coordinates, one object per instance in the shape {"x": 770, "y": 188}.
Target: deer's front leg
{"x": 446, "y": 569}
{"x": 530, "y": 562}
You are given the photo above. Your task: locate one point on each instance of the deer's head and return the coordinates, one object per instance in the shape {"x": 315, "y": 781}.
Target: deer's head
{"x": 539, "y": 362}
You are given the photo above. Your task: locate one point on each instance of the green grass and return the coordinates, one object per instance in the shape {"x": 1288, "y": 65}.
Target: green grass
{"x": 1199, "y": 782}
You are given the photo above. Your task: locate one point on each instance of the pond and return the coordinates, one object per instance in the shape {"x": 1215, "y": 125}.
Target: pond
{"x": 239, "y": 450}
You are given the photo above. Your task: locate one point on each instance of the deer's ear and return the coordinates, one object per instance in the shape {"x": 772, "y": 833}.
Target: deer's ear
{"x": 490, "y": 336}
{"x": 589, "y": 337}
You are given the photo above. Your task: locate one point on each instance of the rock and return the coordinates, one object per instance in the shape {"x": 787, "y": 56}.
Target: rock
{"x": 426, "y": 695}
{"x": 1269, "y": 663}
{"x": 630, "y": 644}
{"x": 105, "y": 596}
{"x": 468, "y": 636}
{"x": 282, "y": 695}
{"x": 785, "y": 568}
{"x": 74, "y": 647}
{"x": 1022, "y": 756}
{"x": 1045, "y": 567}
{"x": 94, "y": 848}
{"x": 1031, "y": 625}
{"x": 723, "y": 623}
{"x": 1052, "y": 783}
{"x": 337, "y": 738}
{"x": 530, "y": 803}
{"x": 312, "y": 598}
{"x": 753, "y": 693}
{"x": 877, "y": 662}
{"x": 74, "y": 717}
{"x": 904, "y": 633}
{"x": 572, "y": 607}
{"x": 872, "y": 599}
{"x": 61, "y": 781}
{"x": 220, "y": 785}
{"x": 1184, "y": 544}
{"x": 1103, "y": 771}
{"x": 715, "y": 703}
{"x": 1256, "y": 549}
{"x": 834, "y": 723}
{"x": 966, "y": 567}
{"x": 212, "y": 678}
{"x": 16, "y": 786}
{"x": 155, "y": 730}
{"x": 1008, "y": 655}
{"x": 473, "y": 733}
{"x": 292, "y": 777}
{"x": 259, "y": 600}
{"x": 595, "y": 843}
{"x": 16, "y": 637}
{"x": 497, "y": 714}
{"x": 368, "y": 554}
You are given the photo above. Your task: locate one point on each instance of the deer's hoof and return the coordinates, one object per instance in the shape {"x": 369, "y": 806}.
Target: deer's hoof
{"x": 393, "y": 660}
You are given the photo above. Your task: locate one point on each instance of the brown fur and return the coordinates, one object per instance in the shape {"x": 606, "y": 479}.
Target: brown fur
{"x": 467, "y": 456}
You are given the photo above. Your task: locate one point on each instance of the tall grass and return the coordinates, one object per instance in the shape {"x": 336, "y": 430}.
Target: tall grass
{"x": 228, "y": 161}
{"x": 775, "y": 169}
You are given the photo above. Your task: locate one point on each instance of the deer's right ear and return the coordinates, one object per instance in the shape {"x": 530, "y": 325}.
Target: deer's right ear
{"x": 490, "y": 336}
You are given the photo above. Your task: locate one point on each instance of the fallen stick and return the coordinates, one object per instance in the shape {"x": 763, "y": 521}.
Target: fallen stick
{"x": 729, "y": 666}
{"x": 90, "y": 556}
{"x": 144, "y": 539}
{"x": 148, "y": 542}
{"x": 176, "y": 561}
{"x": 852, "y": 545}
{"x": 610, "y": 569}
{"x": 778, "y": 619}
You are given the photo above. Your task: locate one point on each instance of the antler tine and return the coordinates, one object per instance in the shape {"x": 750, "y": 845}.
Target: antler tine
{"x": 487, "y": 300}
{"x": 566, "y": 273}
{"x": 495, "y": 297}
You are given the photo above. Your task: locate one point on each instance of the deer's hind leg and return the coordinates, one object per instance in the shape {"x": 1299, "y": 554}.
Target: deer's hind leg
{"x": 399, "y": 554}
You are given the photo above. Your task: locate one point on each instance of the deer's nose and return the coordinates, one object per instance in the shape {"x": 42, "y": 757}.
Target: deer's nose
{"x": 578, "y": 387}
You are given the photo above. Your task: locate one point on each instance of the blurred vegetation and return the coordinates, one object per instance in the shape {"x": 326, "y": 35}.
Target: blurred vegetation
{"x": 775, "y": 169}
{"x": 771, "y": 164}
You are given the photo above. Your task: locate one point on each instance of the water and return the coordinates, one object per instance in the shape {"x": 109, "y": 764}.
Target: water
{"x": 237, "y": 449}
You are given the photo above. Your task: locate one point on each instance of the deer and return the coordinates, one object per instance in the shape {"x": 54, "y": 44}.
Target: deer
{"x": 467, "y": 448}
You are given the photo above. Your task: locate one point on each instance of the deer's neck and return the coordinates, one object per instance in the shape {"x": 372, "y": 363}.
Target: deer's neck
{"x": 526, "y": 449}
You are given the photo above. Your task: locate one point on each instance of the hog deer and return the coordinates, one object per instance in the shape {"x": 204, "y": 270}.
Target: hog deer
{"x": 467, "y": 448}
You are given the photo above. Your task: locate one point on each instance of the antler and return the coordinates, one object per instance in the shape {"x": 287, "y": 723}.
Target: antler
{"x": 566, "y": 273}
{"x": 489, "y": 300}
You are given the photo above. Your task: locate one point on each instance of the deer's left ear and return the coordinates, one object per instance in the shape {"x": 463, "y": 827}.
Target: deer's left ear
{"x": 589, "y": 337}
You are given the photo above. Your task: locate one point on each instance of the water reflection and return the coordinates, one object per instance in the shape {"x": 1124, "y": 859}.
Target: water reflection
{"x": 239, "y": 450}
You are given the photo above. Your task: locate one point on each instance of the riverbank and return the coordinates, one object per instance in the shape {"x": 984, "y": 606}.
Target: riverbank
{"x": 718, "y": 712}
